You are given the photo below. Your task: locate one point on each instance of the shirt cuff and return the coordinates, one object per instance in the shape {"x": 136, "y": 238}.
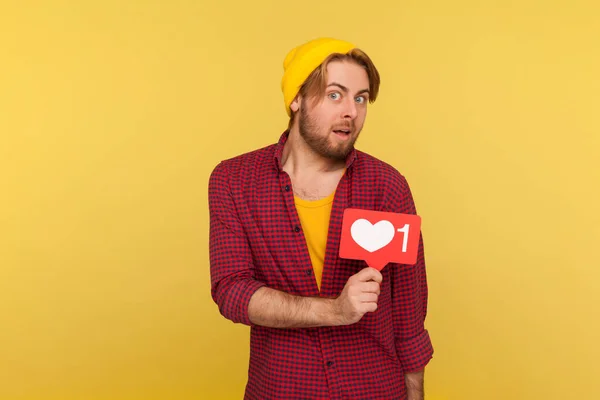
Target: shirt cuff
{"x": 415, "y": 353}
{"x": 239, "y": 299}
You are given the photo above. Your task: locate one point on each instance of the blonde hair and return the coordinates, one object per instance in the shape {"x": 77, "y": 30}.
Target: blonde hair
{"x": 315, "y": 85}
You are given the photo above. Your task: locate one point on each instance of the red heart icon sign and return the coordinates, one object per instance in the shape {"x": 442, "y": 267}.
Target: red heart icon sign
{"x": 379, "y": 238}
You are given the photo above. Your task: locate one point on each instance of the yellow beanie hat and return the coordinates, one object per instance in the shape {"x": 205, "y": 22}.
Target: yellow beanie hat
{"x": 302, "y": 60}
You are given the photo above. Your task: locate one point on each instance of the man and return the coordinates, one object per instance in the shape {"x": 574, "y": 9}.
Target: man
{"x": 322, "y": 327}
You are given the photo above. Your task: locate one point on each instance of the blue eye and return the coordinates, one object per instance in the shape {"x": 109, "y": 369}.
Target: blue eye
{"x": 334, "y": 96}
{"x": 360, "y": 99}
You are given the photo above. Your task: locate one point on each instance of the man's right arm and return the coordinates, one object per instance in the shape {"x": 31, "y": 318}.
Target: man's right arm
{"x": 276, "y": 309}
{"x": 243, "y": 299}
{"x": 232, "y": 271}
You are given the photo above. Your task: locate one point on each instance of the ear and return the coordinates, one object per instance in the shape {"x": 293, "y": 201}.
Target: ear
{"x": 295, "y": 105}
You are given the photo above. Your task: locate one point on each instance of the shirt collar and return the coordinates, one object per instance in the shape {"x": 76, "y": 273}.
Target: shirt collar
{"x": 278, "y": 152}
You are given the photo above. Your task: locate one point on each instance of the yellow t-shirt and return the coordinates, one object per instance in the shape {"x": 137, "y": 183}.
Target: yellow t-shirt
{"x": 314, "y": 218}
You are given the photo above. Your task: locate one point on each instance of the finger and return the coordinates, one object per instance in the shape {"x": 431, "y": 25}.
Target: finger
{"x": 370, "y": 307}
{"x": 369, "y": 274}
{"x": 369, "y": 298}
{"x": 371, "y": 287}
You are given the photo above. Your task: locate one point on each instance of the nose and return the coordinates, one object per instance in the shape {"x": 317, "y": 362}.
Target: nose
{"x": 350, "y": 111}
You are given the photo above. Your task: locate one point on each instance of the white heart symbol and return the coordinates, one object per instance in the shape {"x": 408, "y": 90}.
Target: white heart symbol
{"x": 372, "y": 237}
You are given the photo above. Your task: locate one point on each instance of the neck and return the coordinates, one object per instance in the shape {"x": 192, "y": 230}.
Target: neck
{"x": 299, "y": 157}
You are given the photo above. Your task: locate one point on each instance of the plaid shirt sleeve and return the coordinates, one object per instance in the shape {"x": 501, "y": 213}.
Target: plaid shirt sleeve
{"x": 232, "y": 270}
{"x": 409, "y": 293}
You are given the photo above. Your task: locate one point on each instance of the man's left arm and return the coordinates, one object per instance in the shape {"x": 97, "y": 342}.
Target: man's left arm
{"x": 414, "y": 385}
{"x": 410, "y": 295}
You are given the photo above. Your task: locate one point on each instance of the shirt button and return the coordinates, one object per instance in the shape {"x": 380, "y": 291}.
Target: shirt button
{"x": 287, "y": 188}
{"x": 329, "y": 363}
{"x": 296, "y": 229}
{"x": 309, "y": 271}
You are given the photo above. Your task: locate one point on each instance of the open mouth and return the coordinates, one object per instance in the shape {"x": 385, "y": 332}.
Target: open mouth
{"x": 342, "y": 132}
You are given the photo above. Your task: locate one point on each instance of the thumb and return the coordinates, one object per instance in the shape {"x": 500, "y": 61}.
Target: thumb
{"x": 369, "y": 274}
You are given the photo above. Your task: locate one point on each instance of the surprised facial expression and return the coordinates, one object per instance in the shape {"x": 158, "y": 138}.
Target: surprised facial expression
{"x": 332, "y": 125}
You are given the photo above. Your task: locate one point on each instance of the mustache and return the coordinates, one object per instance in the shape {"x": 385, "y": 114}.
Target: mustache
{"x": 345, "y": 126}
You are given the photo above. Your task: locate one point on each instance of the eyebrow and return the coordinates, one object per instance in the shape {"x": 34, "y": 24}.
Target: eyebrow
{"x": 345, "y": 89}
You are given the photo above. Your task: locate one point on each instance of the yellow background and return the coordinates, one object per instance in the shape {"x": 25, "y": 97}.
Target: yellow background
{"x": 113, "y": 113}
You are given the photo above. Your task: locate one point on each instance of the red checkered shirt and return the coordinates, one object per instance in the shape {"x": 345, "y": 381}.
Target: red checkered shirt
{"x": 256, "y": 240}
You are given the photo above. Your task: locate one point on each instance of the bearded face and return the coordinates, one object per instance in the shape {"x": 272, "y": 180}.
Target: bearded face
{"x": 331, "y": 126}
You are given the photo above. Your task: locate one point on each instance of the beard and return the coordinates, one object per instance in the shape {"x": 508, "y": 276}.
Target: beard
{"x": 320, "y": 142}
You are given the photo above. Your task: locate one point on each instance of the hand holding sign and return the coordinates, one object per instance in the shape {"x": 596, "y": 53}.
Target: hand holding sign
{"x": 359, "y": 296}
{"x": 379, "y": 237}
